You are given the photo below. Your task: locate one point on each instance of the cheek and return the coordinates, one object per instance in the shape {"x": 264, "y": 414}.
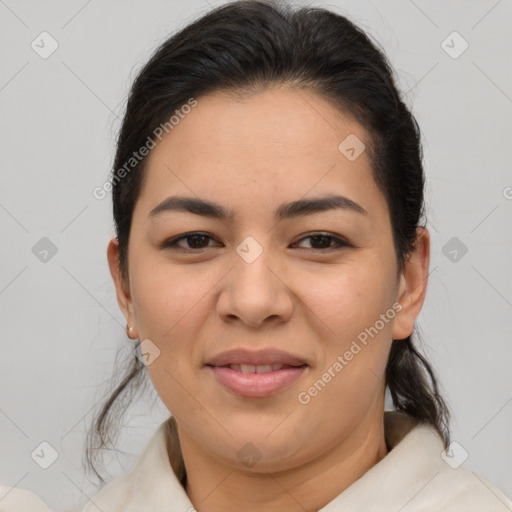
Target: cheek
{"x": 164, "y": 295}
{"x": 350, "y": 302}
{"x": 348, "y": 297}
{"x": 167, "y": 305}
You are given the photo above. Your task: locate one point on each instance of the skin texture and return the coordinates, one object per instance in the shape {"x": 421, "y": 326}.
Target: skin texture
{"x": 251, "y": 154}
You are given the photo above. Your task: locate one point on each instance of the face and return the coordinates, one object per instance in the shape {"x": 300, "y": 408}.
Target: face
{"x": 267, "y": 335}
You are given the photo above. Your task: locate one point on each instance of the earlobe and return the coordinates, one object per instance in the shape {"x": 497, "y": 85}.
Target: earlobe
{"x": 122, "y": 289}
{"x": 413, "y": 286}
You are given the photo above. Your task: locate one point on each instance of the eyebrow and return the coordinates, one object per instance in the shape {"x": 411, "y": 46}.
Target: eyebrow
{"x": 298, "y": 208}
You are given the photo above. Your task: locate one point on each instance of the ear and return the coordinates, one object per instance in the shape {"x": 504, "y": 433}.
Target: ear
{"x": 413, "y": 286}
{"x": 122, "y": 288}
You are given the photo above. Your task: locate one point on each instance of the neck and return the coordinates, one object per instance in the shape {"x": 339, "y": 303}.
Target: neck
{"x": 213, "y": 486}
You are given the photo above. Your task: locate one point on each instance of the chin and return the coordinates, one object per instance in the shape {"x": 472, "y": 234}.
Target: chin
{"x": 261, "y": 452}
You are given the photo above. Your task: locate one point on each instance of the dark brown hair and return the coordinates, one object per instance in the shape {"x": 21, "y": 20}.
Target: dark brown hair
{"x": 245, "y": 46}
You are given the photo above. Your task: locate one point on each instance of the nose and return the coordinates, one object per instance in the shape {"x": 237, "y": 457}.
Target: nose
{"x": 255, "y": 292}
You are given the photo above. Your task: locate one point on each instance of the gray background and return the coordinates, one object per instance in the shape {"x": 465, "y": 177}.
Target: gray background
{"x": 61, "y": 327}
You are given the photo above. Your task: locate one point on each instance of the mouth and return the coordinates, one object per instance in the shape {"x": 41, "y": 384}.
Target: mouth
{"x": 256, "y": 374}
{"x": 258, "y": 368}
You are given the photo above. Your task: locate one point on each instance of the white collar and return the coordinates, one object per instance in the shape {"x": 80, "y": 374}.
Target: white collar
{"x": 412, "y": 477}
{"x": 154, "y": 482}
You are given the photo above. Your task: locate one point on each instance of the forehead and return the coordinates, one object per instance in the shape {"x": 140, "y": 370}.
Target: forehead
{"x": 277, "y": 143}
{"x": 284, "y": 121}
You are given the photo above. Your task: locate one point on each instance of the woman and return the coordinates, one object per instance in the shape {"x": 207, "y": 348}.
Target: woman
{"x": 270, "y": 260}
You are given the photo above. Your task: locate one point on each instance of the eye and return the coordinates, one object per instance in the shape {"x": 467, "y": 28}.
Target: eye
{"x": 196, "y": 240}
{"x": 324, "y": 240}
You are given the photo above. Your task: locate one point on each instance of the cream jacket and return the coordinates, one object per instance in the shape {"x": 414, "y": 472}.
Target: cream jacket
{"x": 415, "y": 476}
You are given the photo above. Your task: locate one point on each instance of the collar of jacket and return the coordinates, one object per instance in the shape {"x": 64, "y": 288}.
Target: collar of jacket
{"x": 412, "y": 477}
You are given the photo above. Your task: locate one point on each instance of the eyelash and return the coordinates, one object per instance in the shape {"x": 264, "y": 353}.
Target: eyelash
{"x": 172, "y": 243}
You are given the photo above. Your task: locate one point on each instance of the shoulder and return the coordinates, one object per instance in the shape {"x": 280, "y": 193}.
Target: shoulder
{"x": 16, "y": 499}
{"x": 150, "y": 482}
{"x": 418, "y": 474}
{"x": 464, "y": 490}
{"x": 113, "y": 497}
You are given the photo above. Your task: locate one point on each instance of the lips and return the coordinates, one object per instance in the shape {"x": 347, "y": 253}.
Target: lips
{"x": 256, "y": 358}
{"x": 256, "y": 374}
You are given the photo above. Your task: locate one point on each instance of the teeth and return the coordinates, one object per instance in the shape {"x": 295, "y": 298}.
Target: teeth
{"x": 260, "y": 368}
{"x": 263, "y": 368}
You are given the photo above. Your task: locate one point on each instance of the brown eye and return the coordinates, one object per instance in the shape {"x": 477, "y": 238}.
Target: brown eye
{"x": 194, "y": 241}
{"x": 323, "y": 242}
{"x": 197, "y": 241}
